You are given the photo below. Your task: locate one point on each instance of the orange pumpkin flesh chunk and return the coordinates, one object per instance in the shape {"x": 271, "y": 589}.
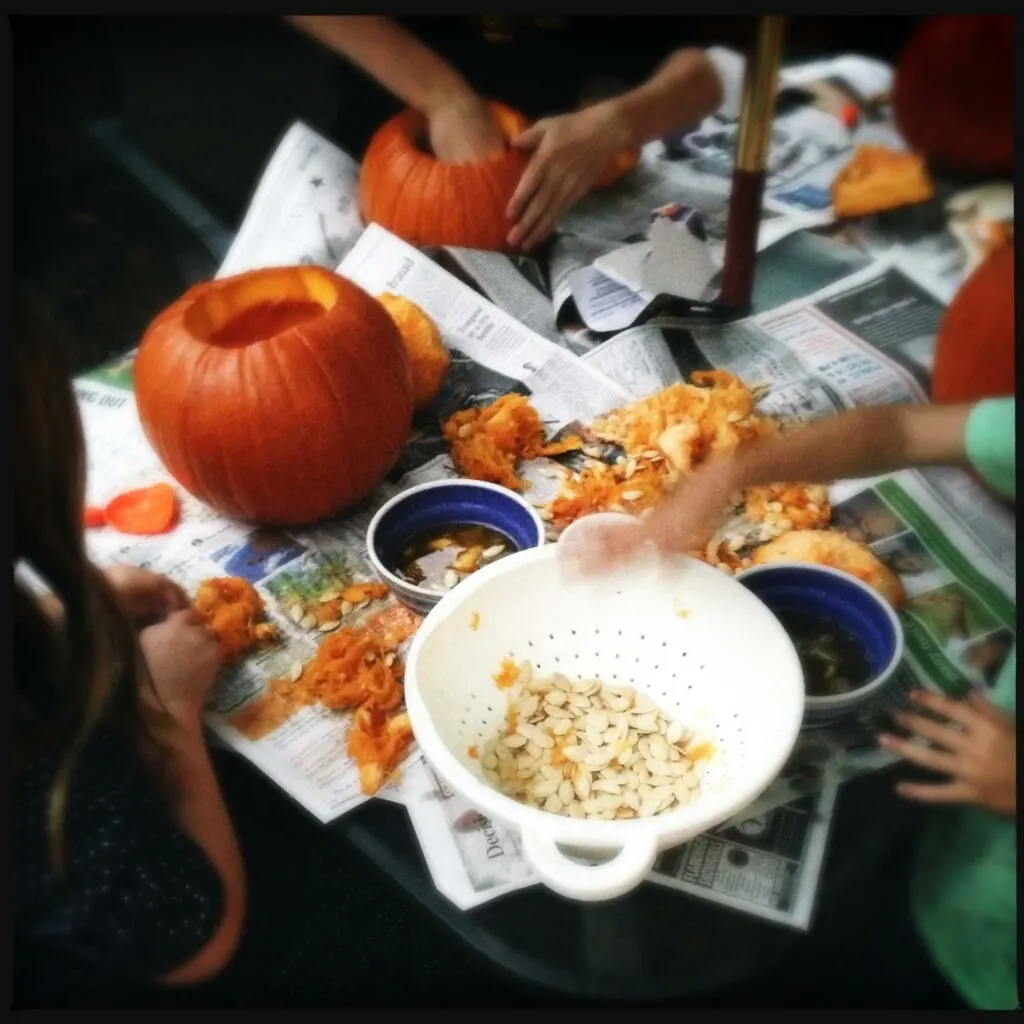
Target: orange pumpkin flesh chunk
{"x": 487, "y": 443}
{"x": 231, "y": 609}
{"x": 94, "y": 516}
{"x": 357, "y": 669}
{"x": 146, "y": 511}
{"x": 878, "y": 179}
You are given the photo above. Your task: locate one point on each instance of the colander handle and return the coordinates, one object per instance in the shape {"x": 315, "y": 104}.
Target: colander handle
{"x": 582, "y": 882}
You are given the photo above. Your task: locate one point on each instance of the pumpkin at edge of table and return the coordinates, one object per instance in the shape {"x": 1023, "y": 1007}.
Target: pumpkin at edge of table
{"x": 277, "y": 396}
{"x": 425, "y": 202}
{"x": 974, "y": 351}
{"x": 952, "y": 94}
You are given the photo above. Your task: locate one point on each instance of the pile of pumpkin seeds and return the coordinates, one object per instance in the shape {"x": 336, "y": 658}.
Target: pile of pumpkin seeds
{"x": 588, "y": 749}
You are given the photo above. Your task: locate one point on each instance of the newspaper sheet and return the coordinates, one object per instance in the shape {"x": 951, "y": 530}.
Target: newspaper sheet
{"x": 305, "y": 208}
{"x": 765, "y": 861}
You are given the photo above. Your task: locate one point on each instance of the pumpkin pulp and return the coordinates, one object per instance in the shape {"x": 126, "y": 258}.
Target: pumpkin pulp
{"x": 265, "y": 320}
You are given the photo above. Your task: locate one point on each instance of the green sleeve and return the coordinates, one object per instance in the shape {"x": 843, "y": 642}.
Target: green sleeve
{"x": 991, "y": 443}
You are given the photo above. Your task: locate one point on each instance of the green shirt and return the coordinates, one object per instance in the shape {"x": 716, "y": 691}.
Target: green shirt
{"x": 964, "y": 895}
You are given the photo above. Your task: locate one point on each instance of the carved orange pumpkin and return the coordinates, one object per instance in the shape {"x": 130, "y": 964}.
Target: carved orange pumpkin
{"x": 428, "y": 357}
{"x": 277, "y": 396}
{"x": 426, "y": 202}
{"x": 953, "y": 93}
{"x": 974, "y": 356}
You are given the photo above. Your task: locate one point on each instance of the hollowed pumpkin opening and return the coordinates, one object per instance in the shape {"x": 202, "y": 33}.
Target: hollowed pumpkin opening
{"x": 245, "y": 311}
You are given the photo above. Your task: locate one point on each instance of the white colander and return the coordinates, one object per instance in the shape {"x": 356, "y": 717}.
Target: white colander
{"x": 703, "y": 647}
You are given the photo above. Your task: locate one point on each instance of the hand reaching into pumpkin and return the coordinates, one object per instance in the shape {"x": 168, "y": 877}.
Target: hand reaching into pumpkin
{"x": 461, "y": 127}
{"x": 463, "y": 131}
{"x": 570, "y": 154}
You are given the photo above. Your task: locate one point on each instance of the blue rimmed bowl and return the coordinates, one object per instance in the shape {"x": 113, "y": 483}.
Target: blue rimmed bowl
{"x": 438, "y": 504}
{"x": 843, "y": 600}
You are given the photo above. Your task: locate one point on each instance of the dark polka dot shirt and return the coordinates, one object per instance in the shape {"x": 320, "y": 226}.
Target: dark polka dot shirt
{"x": 139, "y": 897}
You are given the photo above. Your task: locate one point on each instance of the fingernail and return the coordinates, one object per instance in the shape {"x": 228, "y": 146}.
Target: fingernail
{"x": 885, "y": 740}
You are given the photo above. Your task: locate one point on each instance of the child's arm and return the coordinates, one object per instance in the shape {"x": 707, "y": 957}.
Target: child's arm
{"x": 460, "y": 125}
{"x": 863, "y": 442}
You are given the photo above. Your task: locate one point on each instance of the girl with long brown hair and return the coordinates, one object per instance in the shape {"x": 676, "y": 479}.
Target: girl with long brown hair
{"x": 126, "y": 866}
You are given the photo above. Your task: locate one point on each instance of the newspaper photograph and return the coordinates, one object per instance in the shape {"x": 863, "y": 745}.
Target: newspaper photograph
{"x": 766, "y": 864}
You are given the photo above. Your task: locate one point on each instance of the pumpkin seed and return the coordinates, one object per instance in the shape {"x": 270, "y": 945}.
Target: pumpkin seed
{"x": 308, "y": 622}
{"x": 632, "y": 495}
{"x": 326, "y": 627}
{"x": 296, "y": 613}
{"x": 295, "y": 671}
{"x": 535, "y": 735}
{"x": 331, "y": 595}
{"x": 553, "y": 804}
{"x": 493, "y": 551}
{"x": 346, "y": 607}
{"x": 581, "y": 781}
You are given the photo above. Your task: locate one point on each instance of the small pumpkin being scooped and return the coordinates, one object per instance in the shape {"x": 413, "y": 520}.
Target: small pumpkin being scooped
{"x": 428, "y": 357}
{"x": 415, "y": 196}
{"x": 276, "y": 396}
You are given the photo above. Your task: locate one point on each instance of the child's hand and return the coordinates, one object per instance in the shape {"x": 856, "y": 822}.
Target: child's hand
{"x": 681, "y": 522}
{"x": 183, "y": 658}
{"x": 976, "y": 748}
{"x": 146, "y": 596}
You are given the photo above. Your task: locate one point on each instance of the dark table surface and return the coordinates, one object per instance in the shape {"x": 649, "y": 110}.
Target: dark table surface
{"x": 662, "y": 946}
{"x": 105, "y": 250}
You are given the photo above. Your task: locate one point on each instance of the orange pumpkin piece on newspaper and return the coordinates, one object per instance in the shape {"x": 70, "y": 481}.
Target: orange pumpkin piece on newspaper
{"x": 427, "y": 355}
{"x": 877, "y": 179}
{"x": 377, "y": 742}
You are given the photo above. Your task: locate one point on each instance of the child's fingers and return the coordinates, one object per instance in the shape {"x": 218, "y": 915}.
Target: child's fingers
{"x": 935, "y": 793}
{"x": 945, "y": 735}
{"x": 955, "y": 710}
{"x": 986, "y": 708}
{"x": 926, "y": 757}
